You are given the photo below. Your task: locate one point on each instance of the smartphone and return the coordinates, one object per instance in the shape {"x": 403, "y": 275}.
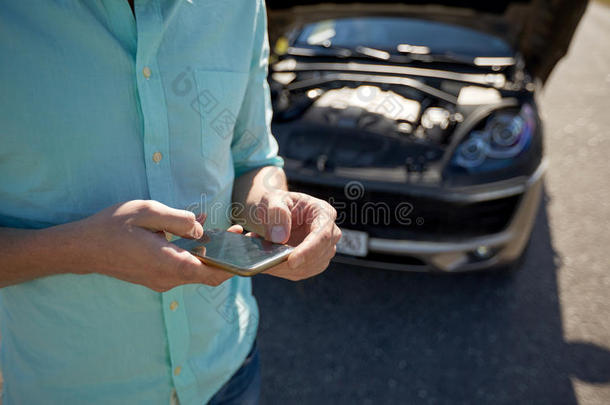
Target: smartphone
{"x": 234, "y": 252}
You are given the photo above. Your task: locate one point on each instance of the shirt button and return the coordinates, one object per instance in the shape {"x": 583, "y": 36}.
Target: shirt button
{"x": 146, "y": 72}
{"x": 173, "y": 305}
{"x": 177, "y": 370}
{"x": 157, "y": 156}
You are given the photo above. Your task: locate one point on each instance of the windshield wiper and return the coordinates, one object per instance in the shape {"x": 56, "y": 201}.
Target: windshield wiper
{"x": 439, "y": 58}
{"x": 404, "y": 54}
{"x": 339, "y": 51}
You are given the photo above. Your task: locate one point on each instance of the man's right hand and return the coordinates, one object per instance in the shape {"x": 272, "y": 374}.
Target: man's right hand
{"x": 126, "y": 241}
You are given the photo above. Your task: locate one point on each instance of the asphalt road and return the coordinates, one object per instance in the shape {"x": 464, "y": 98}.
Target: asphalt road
{"x": 541, "y": 336}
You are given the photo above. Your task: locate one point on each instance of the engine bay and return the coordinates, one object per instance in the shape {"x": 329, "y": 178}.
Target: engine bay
{"x": 370, "y": 125}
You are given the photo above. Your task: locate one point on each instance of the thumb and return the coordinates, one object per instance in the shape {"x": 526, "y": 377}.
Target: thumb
{"x": 155, "y": 216}
{"x": 276, "y": 217}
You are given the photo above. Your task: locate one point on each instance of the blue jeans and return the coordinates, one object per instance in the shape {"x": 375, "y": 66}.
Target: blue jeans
{"x": 244, "y": 387}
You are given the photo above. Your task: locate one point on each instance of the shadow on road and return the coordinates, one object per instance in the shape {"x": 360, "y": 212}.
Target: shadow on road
{"x": 355, "y": 335}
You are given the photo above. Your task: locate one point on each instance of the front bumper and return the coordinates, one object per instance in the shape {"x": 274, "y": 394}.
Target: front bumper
{"x": 464, "y": 253}
{"x": 460, "y": 255}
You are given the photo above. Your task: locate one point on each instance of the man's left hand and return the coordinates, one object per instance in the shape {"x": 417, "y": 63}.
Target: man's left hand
{"x": 302, "y": 221}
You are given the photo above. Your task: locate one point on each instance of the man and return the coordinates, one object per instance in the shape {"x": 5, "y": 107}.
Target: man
{"x": 114, "y": 127}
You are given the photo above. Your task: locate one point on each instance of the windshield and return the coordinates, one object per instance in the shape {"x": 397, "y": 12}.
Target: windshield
{"x": 405, "y": 34}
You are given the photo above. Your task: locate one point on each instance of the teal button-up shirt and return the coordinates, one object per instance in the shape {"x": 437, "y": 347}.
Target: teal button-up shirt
{"x": 99, "y": 107}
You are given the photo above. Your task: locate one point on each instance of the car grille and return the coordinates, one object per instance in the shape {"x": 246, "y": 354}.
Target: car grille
{"x": 401, "y": 216}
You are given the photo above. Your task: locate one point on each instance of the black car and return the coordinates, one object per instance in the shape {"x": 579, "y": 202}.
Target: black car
{"x": 418, "y": 122}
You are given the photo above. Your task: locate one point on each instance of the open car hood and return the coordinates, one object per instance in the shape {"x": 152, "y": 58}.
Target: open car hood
{"x": 541, "y": 30}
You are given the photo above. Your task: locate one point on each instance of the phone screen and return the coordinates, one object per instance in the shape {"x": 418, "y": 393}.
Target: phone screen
{"x": 237, "y": 253}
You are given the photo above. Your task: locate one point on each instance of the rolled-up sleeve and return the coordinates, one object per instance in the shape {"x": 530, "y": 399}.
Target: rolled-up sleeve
{"x": 253, "y": 144}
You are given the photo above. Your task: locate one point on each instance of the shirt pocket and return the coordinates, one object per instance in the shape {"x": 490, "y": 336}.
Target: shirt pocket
{"x": 220, "y": 95}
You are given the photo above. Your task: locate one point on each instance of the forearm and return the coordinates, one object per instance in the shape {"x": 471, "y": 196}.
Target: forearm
{"x": 29, "y": 254}
{"x": 248, "y": 191}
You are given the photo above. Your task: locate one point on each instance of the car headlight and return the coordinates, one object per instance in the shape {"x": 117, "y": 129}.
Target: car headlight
{"x": 504, "y": 136}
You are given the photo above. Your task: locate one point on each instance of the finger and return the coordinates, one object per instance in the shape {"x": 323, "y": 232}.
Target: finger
{"x": 312, "y": 266}
{"x": 189, "y": 269}
{"x": 167, "y": 265}
{"x": 201, "y": 218}
{"x": 336, "y": 234}
{"x": 214, "y": 276}
{"x": 307, "y": 270}
{"x": 159, "y": 217}
{"x": 317, "y": 243}
{"x": 280, "y": 270}
{"x": 236, "y": 229}
{"x": 276, "y": 218}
